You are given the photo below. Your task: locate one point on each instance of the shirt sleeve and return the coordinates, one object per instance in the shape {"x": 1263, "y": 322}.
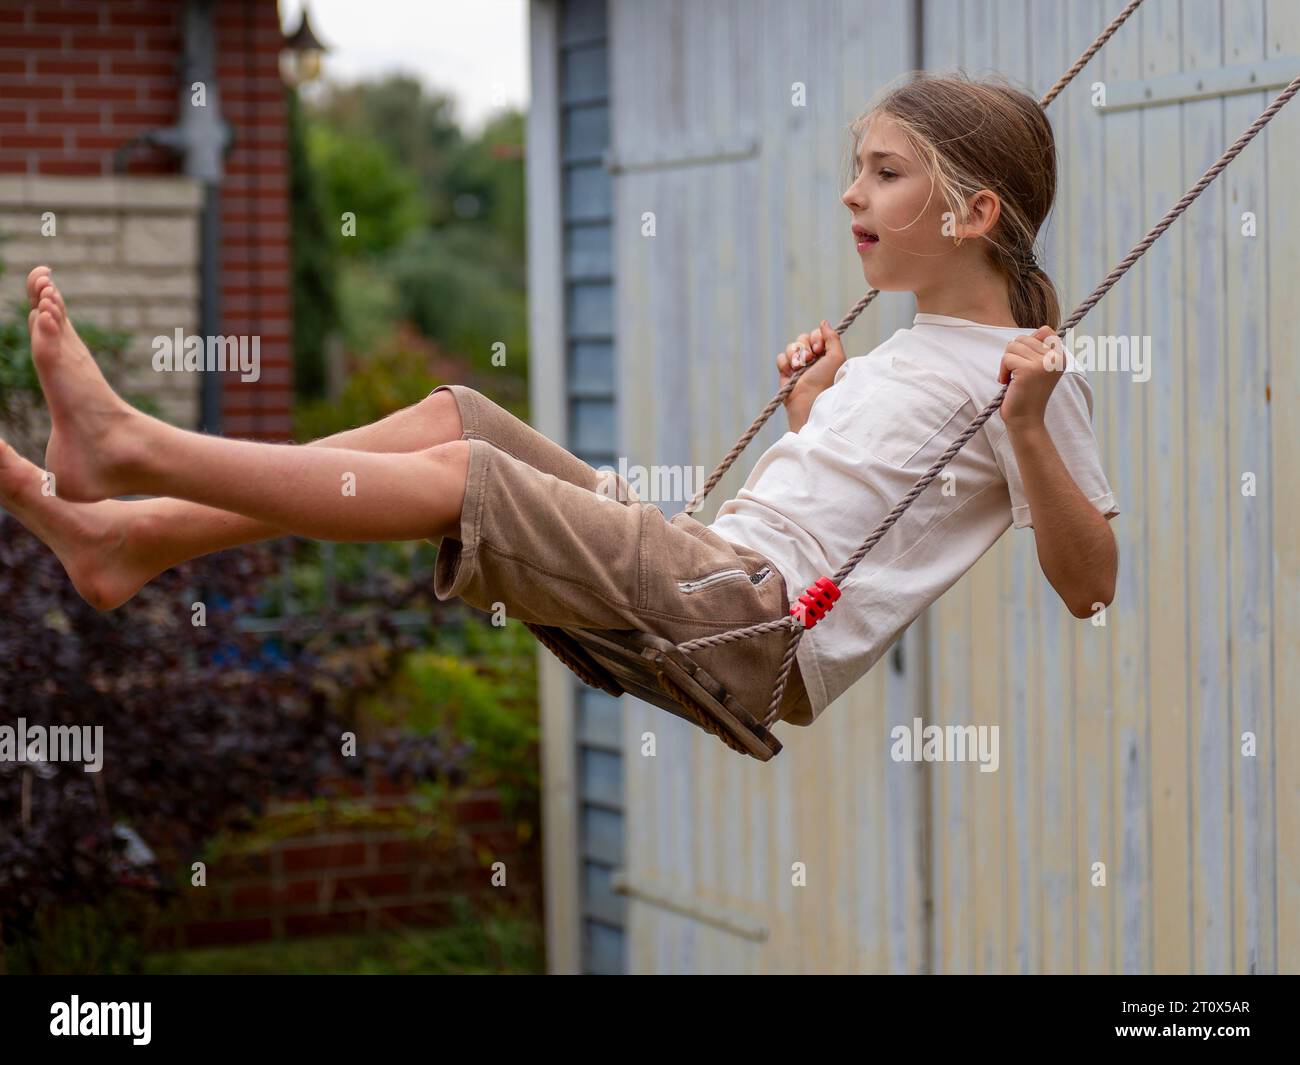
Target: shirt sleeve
{"x": 1068, "y": 419}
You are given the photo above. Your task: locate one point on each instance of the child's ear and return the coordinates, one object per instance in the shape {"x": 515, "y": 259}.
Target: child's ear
{"x": 985, "y": 208}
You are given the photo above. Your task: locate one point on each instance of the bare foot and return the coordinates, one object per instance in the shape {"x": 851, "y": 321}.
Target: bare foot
{"x": 94, "y": 541}
{"x": 95, "y": 434}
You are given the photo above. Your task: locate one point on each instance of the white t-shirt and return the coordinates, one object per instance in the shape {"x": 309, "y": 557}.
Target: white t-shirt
{"x": 815, "y": 495}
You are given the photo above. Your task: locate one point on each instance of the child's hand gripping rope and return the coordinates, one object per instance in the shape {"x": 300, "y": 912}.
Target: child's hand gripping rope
{"x": 1033, "y": 365}
{"x": 823, "y": 344}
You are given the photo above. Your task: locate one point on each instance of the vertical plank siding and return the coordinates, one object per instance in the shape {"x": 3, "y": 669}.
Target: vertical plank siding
{"x": 1122, "y": 313}
{"x": 1246, "y": 519}
{"x": 1133, "y": 754}
{"x": 1163, "y": 504}
{"x": 1279, "y": 724}
{"x": 746, "y": 256}
{"x": 1120, "y": 738}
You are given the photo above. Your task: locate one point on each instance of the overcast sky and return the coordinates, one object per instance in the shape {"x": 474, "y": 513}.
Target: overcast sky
{"x": 474, "y": 50}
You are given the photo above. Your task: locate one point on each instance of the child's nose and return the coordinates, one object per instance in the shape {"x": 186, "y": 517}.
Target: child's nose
{"x": 852, "y": 197}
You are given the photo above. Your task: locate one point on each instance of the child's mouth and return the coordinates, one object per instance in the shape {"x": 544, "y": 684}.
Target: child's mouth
{"x": 864, "y": 238}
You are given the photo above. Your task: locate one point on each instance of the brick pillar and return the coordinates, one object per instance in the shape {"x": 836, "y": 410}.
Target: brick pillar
{"x": 255, "y": 283}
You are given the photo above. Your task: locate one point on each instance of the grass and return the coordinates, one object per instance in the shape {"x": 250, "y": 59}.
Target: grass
{"x": 501, "y": 942}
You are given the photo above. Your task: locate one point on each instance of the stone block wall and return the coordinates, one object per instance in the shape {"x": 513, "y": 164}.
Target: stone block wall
{"x": 125, "y": 251}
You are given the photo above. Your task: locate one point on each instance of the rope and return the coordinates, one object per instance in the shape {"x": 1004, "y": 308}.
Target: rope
{"x": 1088, "y": 53}
{"x": 739, "y": 446}
{"x": 797, "y": 629}
{"x": 767, "y": 412}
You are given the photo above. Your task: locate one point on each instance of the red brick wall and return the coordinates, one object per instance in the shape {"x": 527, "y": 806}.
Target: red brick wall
{"x": 255, "y": 292}
{"x": 80, "y": 78}
{"x": 336, "y": 877}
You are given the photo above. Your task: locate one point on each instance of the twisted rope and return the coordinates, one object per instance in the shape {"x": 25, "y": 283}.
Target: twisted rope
{"x": 1088, "y": 53}
{"x": 1139, "y": 249}
{"x": 739, "y": 446}
{"x": 721, "y": 469}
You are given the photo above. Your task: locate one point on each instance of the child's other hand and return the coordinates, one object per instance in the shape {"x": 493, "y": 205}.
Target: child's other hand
{"x": 1033, "y": 365}
{"x": 822, "y": 342}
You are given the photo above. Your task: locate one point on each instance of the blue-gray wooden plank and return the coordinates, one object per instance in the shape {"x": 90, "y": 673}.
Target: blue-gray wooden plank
{"x": 1127, "y": 621}
{"x": 599, "y": 900}
{"x": 603, "y": 948}
{"x": 1015, "y": 56}
{"x": 602, "y": 835}
{"x": 592, "y": 429}
{"x": 584, "y": 74}
{"x": 590, "y": 311}
{"x": 586, "y": 132}
{"x": 592, "y": 425}
{"x": 1163, "y": 499}
{"x": 586, "y": 192}
{"x": 1250, "y": 516}
{"x": 588, "y": 252}
{"x": 599, "y": 719}
{"x": 592, "y": 369}
{"x": 1207, "y": 500}
{"x": 583, "y": 22}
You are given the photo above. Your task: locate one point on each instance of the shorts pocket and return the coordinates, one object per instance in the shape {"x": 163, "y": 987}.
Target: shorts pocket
{"x": 902, "y": 415}
{"x": 700, "y": 584}
{"x": 759, "y": 577}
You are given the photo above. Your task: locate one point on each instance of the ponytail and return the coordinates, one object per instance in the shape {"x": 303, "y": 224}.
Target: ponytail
{"x": 1034, "y": 302}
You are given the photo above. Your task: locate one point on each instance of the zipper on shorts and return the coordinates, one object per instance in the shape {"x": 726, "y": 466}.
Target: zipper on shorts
{"x": 711, "y": 579}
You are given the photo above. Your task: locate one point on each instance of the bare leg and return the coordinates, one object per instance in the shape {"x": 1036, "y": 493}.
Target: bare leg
{"x": 112, "y": 548}
{"x": 166, "y": 531}
{"x": 101, "y": 447}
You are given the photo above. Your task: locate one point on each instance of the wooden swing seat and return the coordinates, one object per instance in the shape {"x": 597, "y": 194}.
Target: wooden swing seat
{"x": 631, "y": 662}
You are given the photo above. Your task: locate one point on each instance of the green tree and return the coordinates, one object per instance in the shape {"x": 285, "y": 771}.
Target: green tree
{"x": 315, "y": 253}
{"x": 490, "y": 170}
{"x": 419, "y": 132}
{"x": 363, "y": 182}
{"x": 452, "y": 287}
{"x": 440, "y": 230}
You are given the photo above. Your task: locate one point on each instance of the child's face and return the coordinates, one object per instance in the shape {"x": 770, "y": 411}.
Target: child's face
{"x": 894, "y": 200}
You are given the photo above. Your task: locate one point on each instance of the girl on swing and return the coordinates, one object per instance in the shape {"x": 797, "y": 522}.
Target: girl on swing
{"x": 952, "y": 179}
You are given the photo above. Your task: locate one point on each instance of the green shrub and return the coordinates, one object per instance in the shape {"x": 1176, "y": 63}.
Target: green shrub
{"x": 314, "y": 245}
{"x": 396, "y": 375}
{"x": 480, "y": 687}
{"x": 360, "y": 177}
{"x": 501, "y": 941}
{"x": 462, "y": 286}
{"x": 368, "y": 306}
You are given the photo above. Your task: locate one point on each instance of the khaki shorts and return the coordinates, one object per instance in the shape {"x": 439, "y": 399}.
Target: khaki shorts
{"x": 558, "y": 543}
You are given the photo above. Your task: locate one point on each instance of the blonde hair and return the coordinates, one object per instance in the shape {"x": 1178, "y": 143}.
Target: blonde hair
{"x": 984, "y": 134}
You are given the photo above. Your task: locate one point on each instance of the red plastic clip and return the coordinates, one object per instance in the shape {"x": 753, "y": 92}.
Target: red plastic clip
{"x": 816, "y": 602}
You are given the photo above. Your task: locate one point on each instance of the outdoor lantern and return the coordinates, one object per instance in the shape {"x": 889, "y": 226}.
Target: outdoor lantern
{"x": 300, "y": 59}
